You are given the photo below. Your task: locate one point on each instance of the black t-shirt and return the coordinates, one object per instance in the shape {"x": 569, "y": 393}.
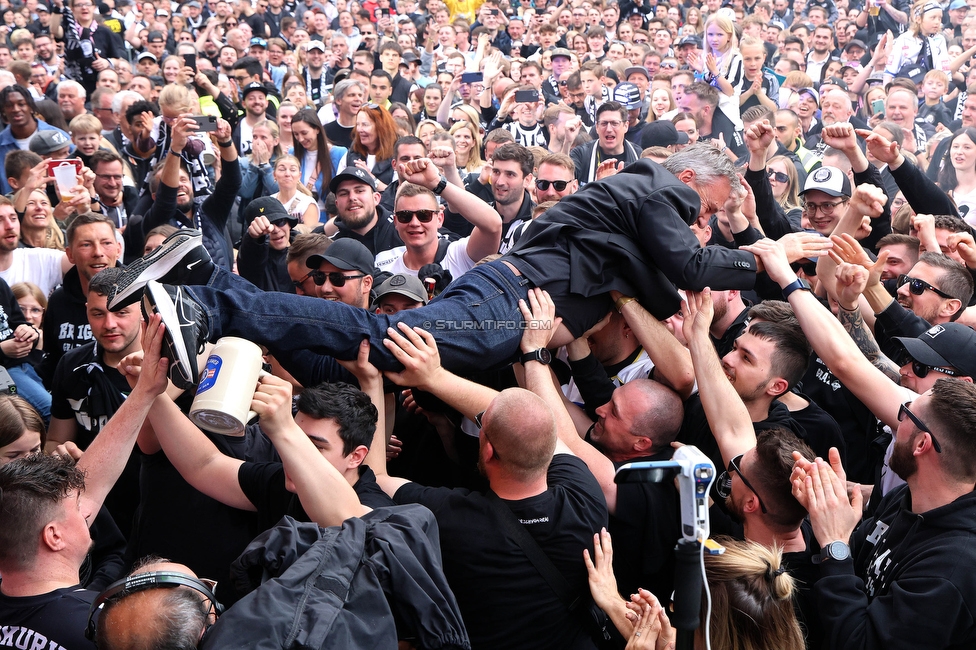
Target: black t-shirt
{"x": 264, "y": 486}
{"x": 505, "y": 602}
{"x": 55, "y": 619}
{"x": 339, "y": 135}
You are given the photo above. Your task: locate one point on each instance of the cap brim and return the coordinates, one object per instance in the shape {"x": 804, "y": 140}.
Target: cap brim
{"x": 827, "y": 191}
{"x": 921, "y": 352}
{"x": 682, "y": 138}
{"x": 403, "y": 292}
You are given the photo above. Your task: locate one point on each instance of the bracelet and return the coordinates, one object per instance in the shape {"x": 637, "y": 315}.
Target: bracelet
{"x": 849, "y": 311}
{"x": 229, "y": 143}
{"x": 621, "y": 301}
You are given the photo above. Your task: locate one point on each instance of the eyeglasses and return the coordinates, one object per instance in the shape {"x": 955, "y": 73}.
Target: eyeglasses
{"x": 335, "y": 278}
{"x": 903, "y": 411}
{"x": 724, "y": 484}
{"x": 808, "y": 268}
{"x": 478, "y": 418}
{"x": 613, "y": 124}
{"x": 826, "y": 209}
{"x": 33, "y": 311}
{"x": 423, "y": 216}
{"x": 917, "y": 287}
{"x": 544, "y": 185}
{"x": 779, "y": 177}
{"x": 241, "y": 79}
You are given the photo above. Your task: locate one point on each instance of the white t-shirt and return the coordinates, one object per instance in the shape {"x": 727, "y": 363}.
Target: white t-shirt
{"x": 40, "y": 266}
{"x": 456, "y": 260}
{"x": 297, "y": 205}
{"x": 247, "y": 135}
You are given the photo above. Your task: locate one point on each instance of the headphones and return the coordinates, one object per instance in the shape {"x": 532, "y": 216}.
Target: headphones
{"x": 142, "y": 582}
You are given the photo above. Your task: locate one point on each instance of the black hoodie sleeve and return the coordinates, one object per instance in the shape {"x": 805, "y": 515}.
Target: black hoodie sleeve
{"x": 15, "y": 318}
{"x": 771, "y": 216}
{"x": 921, "y": 192}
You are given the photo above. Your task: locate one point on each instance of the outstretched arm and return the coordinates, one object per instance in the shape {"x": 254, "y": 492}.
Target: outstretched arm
{"x": 672, "y": 362}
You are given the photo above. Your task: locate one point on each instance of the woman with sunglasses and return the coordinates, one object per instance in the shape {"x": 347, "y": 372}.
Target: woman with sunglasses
{"x": 263, "y": 258}
{"x": 785, "y": 184}
{"x": 293, "y": 194}
{"x": 372, "y": 144}
{"x": 318, "y": 158}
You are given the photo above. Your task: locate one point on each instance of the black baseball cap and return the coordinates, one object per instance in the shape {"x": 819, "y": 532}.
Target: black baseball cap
{"x": 949, "y": 345}
{"x": 254, "y": 86}
{"x": 269, "y": 207}
{"x": 662, "y": 133}
{"x": 355, "y": 174}
{"x": 345, "y": 254}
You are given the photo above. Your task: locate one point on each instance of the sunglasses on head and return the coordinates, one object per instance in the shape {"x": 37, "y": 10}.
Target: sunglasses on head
{"x": 335, "y": 278}
{"x": 544, "y": 185}
{"x": 917, "y": 286}
{"x": 779, "y": 177}
{"x": 423, "y": 216}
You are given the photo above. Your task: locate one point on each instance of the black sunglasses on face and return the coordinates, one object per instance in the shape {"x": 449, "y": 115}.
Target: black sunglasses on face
{"x": 544, "y": 185}
{"x": 921, "y": 370}
{"x": 724, "y": 484}
{"x": 917, "y": 287}
{"x": 335, "y": 278}
{"x": 903, "y": 411}
{"x": 406, "y": 216}
{"x": 281, "y": 223}
{"x": 808, "y": 268}
{"x": 779, "y": 177}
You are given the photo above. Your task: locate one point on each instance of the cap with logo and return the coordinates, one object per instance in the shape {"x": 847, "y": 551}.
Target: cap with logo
{"x": 269, "y": 207}
{"x": 949, "y": 345}
{"x": 828, "y": 180}
{"x": 662, "y": 133}
{"x": 49, "y": 141}
{"x": 627, "y": 94}
{"x": 254, "y": 86}
{"x": 561, "y": 51}
{"x": 352, "y": 173}
{"x": 315, "y": 45}
{"x": 405, "y": 285}
{"x": 345, "y": 254}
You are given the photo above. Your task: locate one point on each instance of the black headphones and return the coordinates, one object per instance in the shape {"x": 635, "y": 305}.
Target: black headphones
{"x": 142, "y": 582}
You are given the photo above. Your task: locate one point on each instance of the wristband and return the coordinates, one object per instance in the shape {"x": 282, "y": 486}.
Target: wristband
{"x": 229, "y": 143}
{"x": 796, "y": 285}
{"x": 441, "y": 185}
{"x": 621, "y": 301}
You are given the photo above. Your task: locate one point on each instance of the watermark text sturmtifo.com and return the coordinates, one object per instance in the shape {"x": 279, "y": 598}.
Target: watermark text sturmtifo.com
{"x": 484, "y": 325}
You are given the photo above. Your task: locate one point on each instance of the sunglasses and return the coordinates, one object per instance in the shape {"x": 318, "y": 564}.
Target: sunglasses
{"x": 779, "y": 177}
{"x": 423, "y": 216}
{"x": 917, "y": 287}
{"x": 544, "y": 185}
{"x": 724, "y": 484}
{"x": 335, "y": 278}
{"x": 281, "y": 223}
{"x": 903, "y": 411}
{"x": 808, "y": 268}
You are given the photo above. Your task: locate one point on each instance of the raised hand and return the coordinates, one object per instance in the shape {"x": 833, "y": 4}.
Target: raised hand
{"x": 698, "y": 312}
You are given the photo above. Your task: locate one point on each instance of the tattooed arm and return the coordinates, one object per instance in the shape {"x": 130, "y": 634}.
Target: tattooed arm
{"x": 854, "y": 324}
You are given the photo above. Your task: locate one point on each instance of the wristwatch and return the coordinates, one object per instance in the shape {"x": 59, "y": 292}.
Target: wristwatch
{"x": 440, "y": 186}
{"x": 796, "y": 285}
{"x": 838, "y": 550}
{"x": 542, "y": 355}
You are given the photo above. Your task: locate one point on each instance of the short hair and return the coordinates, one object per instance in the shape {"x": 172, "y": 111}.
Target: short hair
{"x": 951, "y": 223}
{"x": 123, "y": 95}
{"x": 897, "y": 133}
{"x": 84, "y": 124}
{"x": 104, "y": 281}
{"x": 249, "y": 64}
{"x": 937, "y": 75}
{"x": 85, "y": 219}
{"x": 18, "y": 161}
{"x": 952, "y": 413}
{"x": 758, "y": 113}
{"x": 380, "y": 72}
{"x": 14, "y": 89}
{"x": 614, "y": 107}
{"x": 31, "y": 489}
{"x": 391, "y": 45}
{"x": 347, "y": 406}
{"x": 20, "y": 68}
{"x": 17, "y": 416}
{"x": 896, "y": 239}
{"x": 164, "y": 231}
{"x": 791, "y": 354}
{"x": 176, "y": 620}
{"x": 406, "y": 140}
{"x": 534, "y": 65}
{"x": 709, "y": 164}
{"x": 704, "y": 92}
{"x": 512, "y": 151}
{"x": 552, "y": 113}
{"x": 71, "y": 83}
{"x": 304, "y": 246}
{"x": 499, "y": 136}
{"x": 559, "y": 160}
{"x": 410, "y": 189}
{"x": 343, "y": 87}
{"x": 775, "y": 311}
{"x": 139, "y": 107}
{"x": 955, "y": 279}
{"x": 771, "y": 474}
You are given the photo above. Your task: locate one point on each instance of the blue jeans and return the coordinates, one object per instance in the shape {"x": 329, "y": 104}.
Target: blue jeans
{"x": 30, "y": 387}
{"x": 476, "y": 321}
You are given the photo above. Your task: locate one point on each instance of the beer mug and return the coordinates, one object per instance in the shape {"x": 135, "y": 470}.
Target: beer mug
{"x": 227, "y": 384}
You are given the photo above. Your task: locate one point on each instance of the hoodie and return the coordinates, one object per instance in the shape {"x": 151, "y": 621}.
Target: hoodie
{"x": 65, "y": 323}
{"x": 910, "y": 582}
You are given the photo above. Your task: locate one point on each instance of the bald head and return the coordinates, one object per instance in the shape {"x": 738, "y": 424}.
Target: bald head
{"x": 154, "y": 618}
{"x": 522, "y": 430}
{"x": 661, "y": 411}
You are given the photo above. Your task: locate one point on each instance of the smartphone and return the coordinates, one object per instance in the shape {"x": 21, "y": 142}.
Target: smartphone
{"x": 190, "y": 60}
{"x": 51, "y": 164}
{"x": 205, "y": 123}
{"x": 526, "y": 96}
{"x": 877, "y": 107}
{"x": 472, "y": 77}
{"x": 493, "y": 12}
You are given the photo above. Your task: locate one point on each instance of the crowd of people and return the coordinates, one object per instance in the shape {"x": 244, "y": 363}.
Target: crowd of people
{"x": 492, "y": 250}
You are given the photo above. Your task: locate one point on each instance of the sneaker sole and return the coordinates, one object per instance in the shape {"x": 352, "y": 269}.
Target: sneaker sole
{"x": 166, "y": 308}
{"x": 156, "y": 265}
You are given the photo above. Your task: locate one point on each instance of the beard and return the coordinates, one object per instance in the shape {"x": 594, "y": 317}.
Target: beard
{"x": 361, "y": 223}
{"x": 735, "y": 509}
{"x": 186, "y": 206}
{"x": 903, "y": 462}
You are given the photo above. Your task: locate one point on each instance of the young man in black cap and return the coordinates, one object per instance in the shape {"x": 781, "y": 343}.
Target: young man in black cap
{"x": 263, "y": 257}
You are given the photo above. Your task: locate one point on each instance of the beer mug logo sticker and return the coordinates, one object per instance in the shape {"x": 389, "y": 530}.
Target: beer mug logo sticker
{"x": 227, "y": 383}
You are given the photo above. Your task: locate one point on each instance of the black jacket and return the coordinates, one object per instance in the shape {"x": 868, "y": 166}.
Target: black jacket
{"x": 349, "y": 587}
{"x": 10, "y": 319}
{"x": 265, "y": 267}
{"x": 909, "y": 584}
{"x": 381, "y": 237}
{"x": 629, "y": 232}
